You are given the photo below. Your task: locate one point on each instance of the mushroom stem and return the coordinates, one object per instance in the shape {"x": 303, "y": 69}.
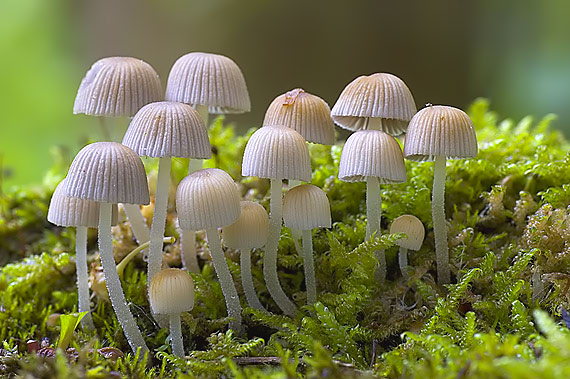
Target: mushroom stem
{"x": 225, "y": 278}
{"x": 296, "y": 234}
{"x": 270, "y": 257}
{"x": 438, "y": 217}
{"x": 247, "y": 281}
{"x": 118, "y": 300}
{"x": 138, "y": 224}
{"x": 159, "y": 218}
{"x": 197, "y": 164}
{"x": 403, "y": 261}
{"x": 104, "y": 129}
{"x": 82, "y": 276}
{"x": 309, "y": 264}
{"x": 188, "y": 237}
{"x": 176, "y": 335}
{"x": 374, "y": 215}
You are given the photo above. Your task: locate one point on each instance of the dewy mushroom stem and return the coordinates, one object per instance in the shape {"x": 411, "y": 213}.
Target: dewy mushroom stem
{"x": 308, "y": 262}
{"x": 438, "y": 217}
{"x": 82, "y": 276}
{"x": 138, "y": 224}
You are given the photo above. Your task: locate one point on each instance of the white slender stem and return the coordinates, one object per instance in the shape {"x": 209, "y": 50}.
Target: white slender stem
{"x": 309, "y": 264}
{"x": 225, "y": 278}
{"x": 438, "y": 217}
{"x": 203, "y": 112}
{"x": 159, "y": 218}
{"x": 105, "y": 129}
{"x": 374, "y": 216}
{"x": 176, "y": 335}
{"x": 271, "y": 247}
{"x": 374, "y": 123}
{"x": 195, "y": 165}
{"x": 403, "y": 261}
{"x": 120, "y": 305}
{"x": 247, "y": 281}
{"x": 82, "y": 276}
{"x": 188, "y": 251}
{"x": 138, "y": 224}
{"x": 294, "y": 183}
{"x": 296, "y": 234}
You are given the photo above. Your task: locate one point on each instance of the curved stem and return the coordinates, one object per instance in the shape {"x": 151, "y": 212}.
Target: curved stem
{"x": 271, "y": 247}
{"x": 438, "y": 217}
{"x": 374, "y": 216}
{"x": 403, "y": 261}
{"x": 124, "y": 315}
{"x": 82, "y": 276}
{"x": 247, "y": 281}
{"x": 308, "y": 262}
{"x": 225, "y": 278}
{"x": 158, "y": 219}
{"x": 138, "y": 224}
{"x": 176, "y": 335}
{"x": 123, "y": 263}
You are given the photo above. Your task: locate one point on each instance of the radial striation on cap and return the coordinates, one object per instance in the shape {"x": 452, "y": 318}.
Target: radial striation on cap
{"x": 440, "y": 130}
{"x": 206, "y": 199}
{"x": 305, "y": 113}
{"x": 306, "y": 207}
{"x": 117, "y": 86}
{"x": 208, "y": 79}
{"x": 168, "y": 129}
{"x": 171, "y": 291}
{"x": 372, "y": 153}
{"x": 250, "y": 230}
{"x": 108, "y": 172}
{"x": 378, "y": 95}
{"x": 413, "y": 228}
{"x": 277, "y": 152}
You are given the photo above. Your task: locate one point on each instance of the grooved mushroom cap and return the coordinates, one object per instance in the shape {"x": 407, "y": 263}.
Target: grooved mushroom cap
{"x": 171, "y": 291}
{"x": 307, "y": 114}
{"x": 440, "y": 130}
{"x": 168, "y": 129}
{"x": 117, "y": 86}
{"x": 414, "y": 230}
{"x": 277, "y": 152}
{"x": 249, "y": 230}
{"x": 306, "y": 207}
{"x": 372, "y": 153}
{"x": 206, "y": 199}
{"x": 107, "y": 172}
{"x": 379, "y": 95}
{"x": 208, "y": 79}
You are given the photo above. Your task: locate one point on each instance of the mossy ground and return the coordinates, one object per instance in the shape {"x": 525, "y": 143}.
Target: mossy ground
{"x": 509, "y": 232}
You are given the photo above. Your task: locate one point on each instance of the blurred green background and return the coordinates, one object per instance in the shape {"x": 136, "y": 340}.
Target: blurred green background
{"x": 516, "y": 53}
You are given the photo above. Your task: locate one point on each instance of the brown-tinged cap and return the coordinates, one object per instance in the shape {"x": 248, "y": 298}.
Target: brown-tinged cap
{"x": 107, "y": 172}
{"x": 206, "y": 199}
{"x": 306, "y": 207}
{"x": 250, "y": 230}
{"x": 208, "y": 79}
{"x": 171, "y": 291}
{"x": 413, "y": 228}
{"x": 440, "y": 130}
{"x": 168, "y": 129}
{"x": 372, "y": 153}
{"x": 117, "y": 86}
{"x": 277, "y": 152}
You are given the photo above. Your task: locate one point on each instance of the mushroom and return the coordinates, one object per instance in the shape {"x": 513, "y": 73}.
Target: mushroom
{"x": 306, "y": 207}
{"x": 276, "y": 152}
{"x": 249, "y": 231}
{"x": 110, "y": 173}
{"x": 171, "y": 292}
{"x": 413, "y": 228}
{"x": 165, "y": 130}
{"x": 436, "y": 133}
{"x": 209, "y": 199}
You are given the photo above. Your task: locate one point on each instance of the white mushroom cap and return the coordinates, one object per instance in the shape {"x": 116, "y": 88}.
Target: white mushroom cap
{"x": 168, "y": 129}
{"x": 277, "y": 152}
{"x": 379, "y": 95}
{"x": 208, "y": 79}
{"x": 107, "y": 172}
{"x": 117, "y": 86}
{"x": 206, "y": 199}
{"x": 250, "y": 230}
{"x": 307, "y": 114}
{"x": 372, "y": 153}
{"x": 306, "y": 207}
{"x": 440, "y": 130}
{"x": 413, "y": 228}
{"x": 171, "y": 291}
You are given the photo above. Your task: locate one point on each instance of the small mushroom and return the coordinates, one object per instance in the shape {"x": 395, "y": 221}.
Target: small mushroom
{"x": 413, "y": 228}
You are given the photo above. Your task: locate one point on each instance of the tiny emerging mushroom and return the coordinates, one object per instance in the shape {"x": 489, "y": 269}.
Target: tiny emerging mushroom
{"x": 413, "y": 228}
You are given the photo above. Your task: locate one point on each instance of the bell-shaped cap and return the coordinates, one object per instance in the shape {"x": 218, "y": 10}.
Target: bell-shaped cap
{"x": 413, "y": 228}
{"x": 383, "y": 96}
{"x": 107, "y": 172}
{"x": 117, "y": 86}
{"x": 307, "y": 114}
{"x": 208, "y": 79}
{"x": 440, "y": 130}
{"x": 171, "y": 291}
{"x": 206, "y": 199}
{"x": 372, "y": 153}
{"x": 250, "y": 230}
{"x": 168, "y": 129}
{"x": 277, "y": 152}
{"x": 306, "y": 207}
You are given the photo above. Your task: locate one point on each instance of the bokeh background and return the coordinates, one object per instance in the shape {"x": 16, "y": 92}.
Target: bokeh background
{"x": 514, "y": 52}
